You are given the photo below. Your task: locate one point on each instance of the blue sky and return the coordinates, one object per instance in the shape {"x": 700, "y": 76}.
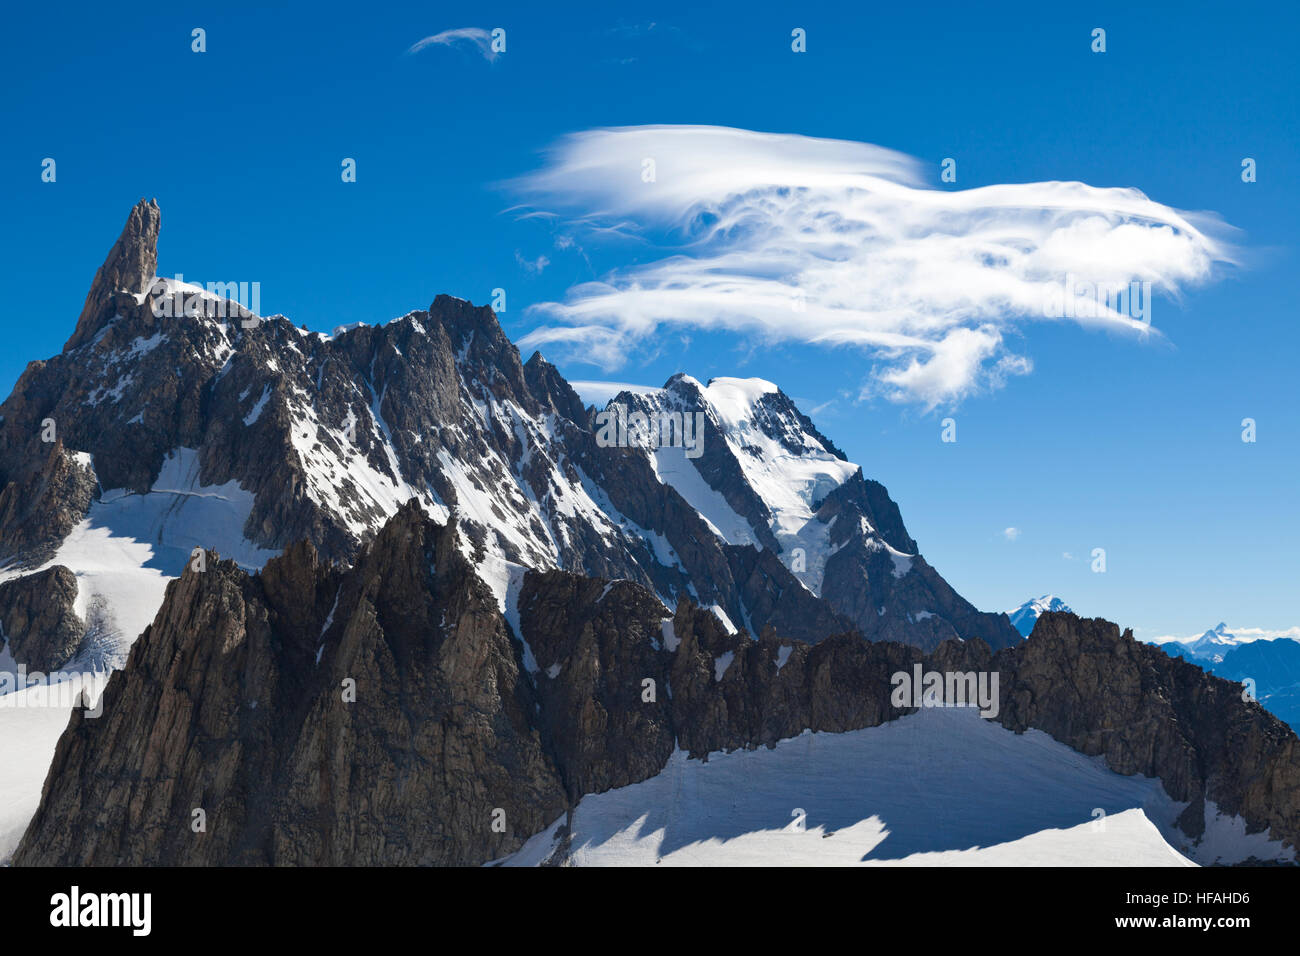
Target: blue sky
{"x": 1113, "y": 442}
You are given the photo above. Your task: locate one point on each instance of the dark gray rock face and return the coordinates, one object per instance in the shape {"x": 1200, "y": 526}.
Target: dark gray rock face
{"x": 1103, "y": 693}
{"x": 731, "y": 692}
{"x": 767, "y": 595}
{"x": 1273, "y": 666}
{"x": 315, "y": 716}
{"x": 129, "y": 268}
{"x": 38, "y": 619}
{"x": 596, "y": 644}
{"x": 863, "y": 584}
{"x": 47, "y": 492}
{"x": 236, "y": 701}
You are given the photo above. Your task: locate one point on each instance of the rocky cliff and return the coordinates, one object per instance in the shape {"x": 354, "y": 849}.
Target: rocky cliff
{"x": 1103, "y": 693}
{"x": 390, "y": 713}
{"x": 38, "y": 616}
{"x": 309, "y": 715}
{"x": 387, "y": 713}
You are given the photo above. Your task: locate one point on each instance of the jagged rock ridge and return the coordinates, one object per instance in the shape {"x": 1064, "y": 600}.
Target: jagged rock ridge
{"x": 234, "y": 702}
{"x": 471, "y": 730}
{"x": 169, "y": 400}
{"x": 1104, "y": 693}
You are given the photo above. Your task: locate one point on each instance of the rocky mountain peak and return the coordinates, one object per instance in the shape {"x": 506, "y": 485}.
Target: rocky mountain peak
{"x": 550, "y": 387}
{"x": 1214, "y": 643}
{"x": 129, "y": 268}
{"x": 200, "y": 425}
{"x": 470, "y": 326}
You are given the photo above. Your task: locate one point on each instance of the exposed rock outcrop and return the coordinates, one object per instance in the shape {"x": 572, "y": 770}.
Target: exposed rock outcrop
{"x": 595, "y": 646}
{"x": 129, "y": 268}
{"x": 461, "y": 741}
{"x": 389, "y": 714}
{"x": 1103, "y": 693}
{"x": 46, "y": 494}
{"x": 314, "y": 716}
{"x": 39, "y": 620}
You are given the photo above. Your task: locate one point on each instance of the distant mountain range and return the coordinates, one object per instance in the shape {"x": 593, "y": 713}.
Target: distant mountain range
{"x": 1274, "y": 666}
{"x": 1211, "y": 646}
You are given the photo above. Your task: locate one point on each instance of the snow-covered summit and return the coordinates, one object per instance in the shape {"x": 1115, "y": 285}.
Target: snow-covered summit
{"x": 1024, "y": 617}
{"x": 1213, "y": 644}
{"x": 760, "y": 474}
{"x": 287, "y": 436}
{"x": 762, "y": 470}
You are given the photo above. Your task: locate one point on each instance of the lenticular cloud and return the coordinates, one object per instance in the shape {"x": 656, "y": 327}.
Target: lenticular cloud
{"x": 798, "y": 239}
{"x": 477, "y": 37}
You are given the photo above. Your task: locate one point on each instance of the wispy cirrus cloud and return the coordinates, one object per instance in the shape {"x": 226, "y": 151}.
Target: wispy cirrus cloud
{"x": 476, "y": 37}
{"x": 532, "y": 266}
{"x": 790, "y": 238}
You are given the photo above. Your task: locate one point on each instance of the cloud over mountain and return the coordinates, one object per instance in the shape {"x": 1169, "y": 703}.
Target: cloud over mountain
{"x": 791, "y": 238}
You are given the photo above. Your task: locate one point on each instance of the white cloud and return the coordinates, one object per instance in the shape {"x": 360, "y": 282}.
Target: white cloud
{"x": 1011, "y": 533}
{"x": 1266, "y": 634}
{"x": 475, "y": 36}
{"x": 601, "y": 394}
{"x": 842, "y": 243}
{"x": 532, "y": 266}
